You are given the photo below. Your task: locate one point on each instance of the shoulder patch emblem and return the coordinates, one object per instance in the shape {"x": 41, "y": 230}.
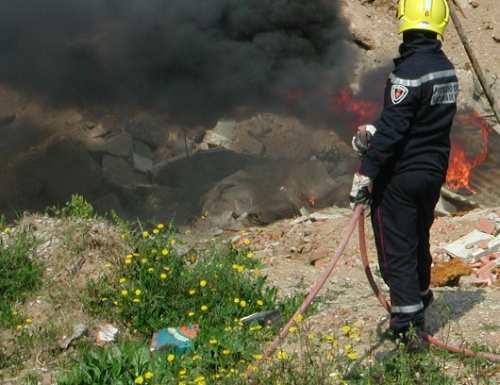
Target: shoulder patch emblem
{"x": 398, "y": 93}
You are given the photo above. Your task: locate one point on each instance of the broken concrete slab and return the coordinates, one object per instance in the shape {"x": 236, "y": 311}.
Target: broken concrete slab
{"x": 116, "y": 145}
{"x": 463, "y": 247}
{"x": 142, "y": 157}
{"x": 119, "y": 172}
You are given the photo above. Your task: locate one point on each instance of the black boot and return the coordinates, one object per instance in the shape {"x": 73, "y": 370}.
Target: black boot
{"x": 428, "y": 299}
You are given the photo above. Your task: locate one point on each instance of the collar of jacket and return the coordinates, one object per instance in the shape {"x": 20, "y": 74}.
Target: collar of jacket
{"x": 417, "y": 43}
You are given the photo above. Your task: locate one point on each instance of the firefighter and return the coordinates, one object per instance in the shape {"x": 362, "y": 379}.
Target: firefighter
{"x": 404, "y": 162}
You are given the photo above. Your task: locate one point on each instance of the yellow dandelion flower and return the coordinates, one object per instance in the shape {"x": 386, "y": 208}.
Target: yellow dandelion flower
{"x": 145, "y": 234}
{"x": 345, "y": 329}
{"x": 281, "y": 355}
{"x": 160, "y": 226}
{"x": 151, "y": 270}
{"x": 138, "y": 292}
{"x": 299, "y": 318}
{"x": 122, "y": 280}
{"x": 203, "y": 283}
{"x": 29, "y": 320}
{"x": 250, "y": 255}
{"x": 124, "y": 292}
{"x": 258, "y": 357}
{"x": 243, "y": 303}
{"x": 191, "y": 314}
{"x": 108, "y": 265}
{"x": 213, "y": 341}
{"x": 347, "y": 347}
{"x": 236, "y": 300}
{"x": 156, "y": 231}
{"x": 260, "y": 302}
{"x": 19, "y": 327}
{"x": 148, "y": 375}
{"x": 192, "y": 291}
{"x": 246, "y": 242}
{"x": 239, "y": 268}
{"x": 165, "y": 252}
{"x": 352, "y": 355}
{"x": 144, "y": 261}
{"x": 163, "y": 276}
{"x": 173, "y": 242}
{"x": 115, "y": 303}
{"x": 293, "y": 329}
{"x": 170, "y": 358}
{"x": 204, "y": 308}
{"x": 226, "y": 352}
{"x": 255, "y": 328}
{"x": 196, "y": 357}
{"x": 136, "y": 300}
{"x": 139, "y": 380}
{"x": 128, "y": 261}
{"x": 182, "y": 372}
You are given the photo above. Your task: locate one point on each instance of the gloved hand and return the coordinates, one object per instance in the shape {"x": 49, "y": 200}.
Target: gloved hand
{"x": 361, "y": 141}
{"x": 361, "y": 192}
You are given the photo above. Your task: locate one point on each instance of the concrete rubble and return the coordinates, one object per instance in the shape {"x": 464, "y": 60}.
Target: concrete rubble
{"x": 475, "y": 256}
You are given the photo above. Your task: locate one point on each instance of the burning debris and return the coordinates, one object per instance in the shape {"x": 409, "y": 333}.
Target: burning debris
{"x": 461, "y": 163}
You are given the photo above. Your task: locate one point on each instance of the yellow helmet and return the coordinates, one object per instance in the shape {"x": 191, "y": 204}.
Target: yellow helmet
{"x": 427, "y": 15}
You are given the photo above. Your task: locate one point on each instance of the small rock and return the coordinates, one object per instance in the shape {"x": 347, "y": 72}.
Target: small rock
{"x": 474, "y": 3}
{"x": 496, "y": 38}
{"x": 78, "y": 330}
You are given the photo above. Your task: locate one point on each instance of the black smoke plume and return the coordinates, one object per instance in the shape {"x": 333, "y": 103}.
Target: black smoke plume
{"x": 196, "y": 59}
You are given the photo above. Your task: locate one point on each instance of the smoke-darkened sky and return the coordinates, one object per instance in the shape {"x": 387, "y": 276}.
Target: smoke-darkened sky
{"x": 193, "y": 58}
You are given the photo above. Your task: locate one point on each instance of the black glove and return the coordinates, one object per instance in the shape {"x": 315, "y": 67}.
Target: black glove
{"x": 361, "y": 191}
{"x": 361, "y": 141}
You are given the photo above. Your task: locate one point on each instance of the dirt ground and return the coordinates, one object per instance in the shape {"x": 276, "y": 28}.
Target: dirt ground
{"x": 460, "y": 315}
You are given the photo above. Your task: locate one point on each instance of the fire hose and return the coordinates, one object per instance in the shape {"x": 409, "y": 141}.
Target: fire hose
{"x": 358, "y": 219}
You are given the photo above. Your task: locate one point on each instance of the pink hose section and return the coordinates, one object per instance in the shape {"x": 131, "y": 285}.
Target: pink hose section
{"x": 355, "y": 219}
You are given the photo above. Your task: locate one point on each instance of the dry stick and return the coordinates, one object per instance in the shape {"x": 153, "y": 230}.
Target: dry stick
{"x": 473, "y": 59}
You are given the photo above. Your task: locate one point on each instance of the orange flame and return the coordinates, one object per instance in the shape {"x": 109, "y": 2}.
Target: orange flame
{"x": 364, "y": 111}
{"x": 461, "y": 165}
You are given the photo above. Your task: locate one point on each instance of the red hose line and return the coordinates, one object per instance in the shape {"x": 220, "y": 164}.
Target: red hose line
{"x": 357, "y": 218}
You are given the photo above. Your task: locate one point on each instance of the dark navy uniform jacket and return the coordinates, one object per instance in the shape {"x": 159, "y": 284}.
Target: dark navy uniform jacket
{"x": 413, "y": 131}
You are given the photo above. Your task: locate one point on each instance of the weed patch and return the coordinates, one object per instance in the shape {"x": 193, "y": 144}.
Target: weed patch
{"x": 154, "y": 287}
{"x": 20, "y": 273}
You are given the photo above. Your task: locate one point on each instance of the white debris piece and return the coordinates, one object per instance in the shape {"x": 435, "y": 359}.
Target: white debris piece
{"x": 462, "y": 247}
{"x": 105, "y": 333}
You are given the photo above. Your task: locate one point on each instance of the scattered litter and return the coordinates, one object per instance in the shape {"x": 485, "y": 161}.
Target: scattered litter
{"x": 78, "y": 330}
{"x": 268, "y": 317}
{"x": 179, "y": 339}
{"x": 105, "y": 333}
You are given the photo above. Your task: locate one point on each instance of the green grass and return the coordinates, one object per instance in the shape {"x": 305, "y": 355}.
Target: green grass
{"x": 77, "y": 207}
{"x": 20, "y": 273}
